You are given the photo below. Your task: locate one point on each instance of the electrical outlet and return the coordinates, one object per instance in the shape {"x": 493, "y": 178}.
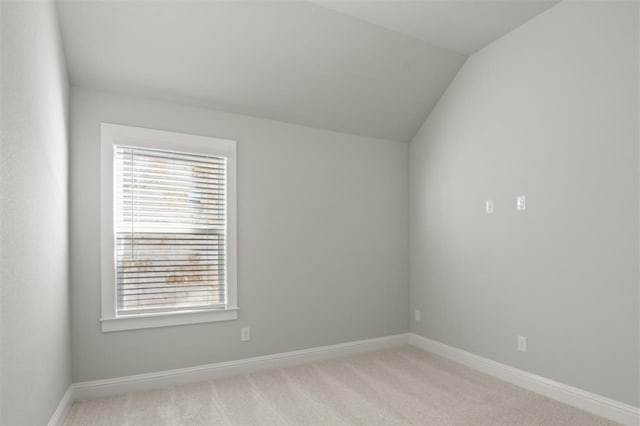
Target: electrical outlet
{"x": 521, "y": 203}
{"x": 522, "y": 343}
{"x": 416, "y": 315}
{"x": 245, "y": 334}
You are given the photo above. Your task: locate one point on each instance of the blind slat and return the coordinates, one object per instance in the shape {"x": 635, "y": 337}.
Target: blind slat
{"x": 162, "y": 156}
{"x": 159, "y": 293}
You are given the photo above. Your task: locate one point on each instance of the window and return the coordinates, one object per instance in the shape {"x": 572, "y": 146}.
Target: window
{"x": 168, "y": 228}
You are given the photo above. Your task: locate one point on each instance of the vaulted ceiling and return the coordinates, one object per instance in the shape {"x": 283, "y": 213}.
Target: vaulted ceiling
{"x": 462, "y": 26}
{"x": 362, "y": 67}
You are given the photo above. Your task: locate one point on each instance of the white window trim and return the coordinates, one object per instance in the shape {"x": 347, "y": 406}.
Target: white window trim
{"x": 115, "y": 134}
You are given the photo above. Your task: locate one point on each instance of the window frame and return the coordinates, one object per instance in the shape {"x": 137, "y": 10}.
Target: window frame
{"x": 116, "y": 134}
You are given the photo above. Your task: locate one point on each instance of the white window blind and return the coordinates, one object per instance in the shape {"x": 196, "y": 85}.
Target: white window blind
{"x": 170, "y": 230}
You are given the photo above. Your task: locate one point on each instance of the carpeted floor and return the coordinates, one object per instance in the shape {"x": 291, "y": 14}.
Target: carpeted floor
{"x": 402, "y": 386}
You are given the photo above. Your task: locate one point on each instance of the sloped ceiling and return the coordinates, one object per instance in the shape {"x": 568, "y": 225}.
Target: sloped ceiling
{"x": 292, "y": 61}
{"x": 462, "y": 26}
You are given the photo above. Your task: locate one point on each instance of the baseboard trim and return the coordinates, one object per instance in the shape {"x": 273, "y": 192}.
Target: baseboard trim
{"x": 143, "y": 382}
{"x": 596, "y": 404}
{"x": 57, "y": 419}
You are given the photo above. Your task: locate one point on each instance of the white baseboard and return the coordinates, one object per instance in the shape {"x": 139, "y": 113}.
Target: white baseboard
{"x": 57, "y": 419}
{"x": 596, "y": 404}
{"x": 143, "y": 382}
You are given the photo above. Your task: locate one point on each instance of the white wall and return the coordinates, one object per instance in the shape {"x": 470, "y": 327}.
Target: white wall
{"x": 322, "y": 237}
{"x": 34, "y": 300}
{"x": 550, "y": 111}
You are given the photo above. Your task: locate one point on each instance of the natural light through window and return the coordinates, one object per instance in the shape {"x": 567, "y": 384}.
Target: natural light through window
{"x": 172, "y": 243}
{"x": 170, "y": 230}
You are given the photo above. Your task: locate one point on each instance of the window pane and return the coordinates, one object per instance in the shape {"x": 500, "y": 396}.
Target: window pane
{"x": 170, "y": 219}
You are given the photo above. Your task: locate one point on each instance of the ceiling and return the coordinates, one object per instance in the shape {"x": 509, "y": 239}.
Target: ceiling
{"x": 368, "y": 68}
{"x": 462, "y": 26}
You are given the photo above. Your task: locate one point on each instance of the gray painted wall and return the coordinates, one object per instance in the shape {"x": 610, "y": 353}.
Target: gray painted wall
{"x": 549, "y": 111}
{"x": 35, "y": 357}
{"x": 322, "y": 237}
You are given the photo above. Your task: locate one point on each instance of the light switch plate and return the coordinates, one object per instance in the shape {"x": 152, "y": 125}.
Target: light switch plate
{"x": 489, "y": 206}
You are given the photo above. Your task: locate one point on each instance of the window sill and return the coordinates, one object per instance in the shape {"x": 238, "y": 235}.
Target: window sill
{"x": 139, "y": 321}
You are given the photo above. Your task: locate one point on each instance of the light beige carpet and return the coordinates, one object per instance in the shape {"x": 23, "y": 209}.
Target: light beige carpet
{"x": 402, "y": 386}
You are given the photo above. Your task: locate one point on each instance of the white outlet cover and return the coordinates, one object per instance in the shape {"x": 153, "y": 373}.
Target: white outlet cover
{"x": 488, "y": 205}
{"x": 522, "y": 343}
{"x": 521, "y": 203}
{"x": 245, "y": 334}
{"x": 416, "y": 315}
